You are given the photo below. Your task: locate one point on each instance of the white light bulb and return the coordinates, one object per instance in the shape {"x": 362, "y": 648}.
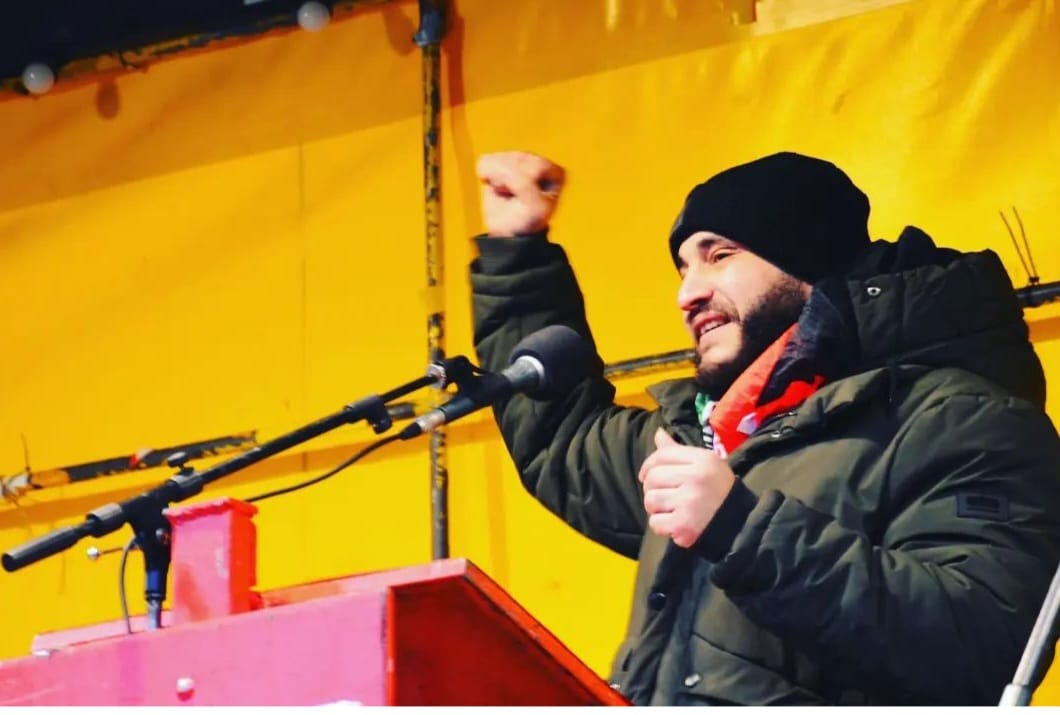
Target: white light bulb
{"x": 313, "y": 16}
{"x": 38, "y": 78}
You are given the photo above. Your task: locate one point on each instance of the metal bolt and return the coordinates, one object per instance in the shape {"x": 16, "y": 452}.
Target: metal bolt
{"x": 691, "y": 680}
{"x": 93, "y": 553}
{"x": 185, "y": 685}
{"x": 776, "y": 434}
{"x": 162, "y": 535}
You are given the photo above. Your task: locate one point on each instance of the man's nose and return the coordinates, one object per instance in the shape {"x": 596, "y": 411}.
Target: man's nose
{"x": 696, "y": 289}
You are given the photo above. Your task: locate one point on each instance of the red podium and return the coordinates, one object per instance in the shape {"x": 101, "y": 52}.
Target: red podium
{"x": 438, "y": 634}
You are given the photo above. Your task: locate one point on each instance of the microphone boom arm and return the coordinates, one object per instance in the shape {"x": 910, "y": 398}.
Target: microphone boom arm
{"x": 144, "y": 512}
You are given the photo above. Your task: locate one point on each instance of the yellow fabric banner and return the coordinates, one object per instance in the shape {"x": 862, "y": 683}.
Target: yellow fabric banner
{"x": 234, "y": 241}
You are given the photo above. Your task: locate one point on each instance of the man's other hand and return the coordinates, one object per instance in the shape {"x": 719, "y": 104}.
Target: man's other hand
{"x": 683, "y": 488}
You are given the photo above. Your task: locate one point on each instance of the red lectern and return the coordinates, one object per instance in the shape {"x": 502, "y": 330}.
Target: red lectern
{"x": 438, "y": 634}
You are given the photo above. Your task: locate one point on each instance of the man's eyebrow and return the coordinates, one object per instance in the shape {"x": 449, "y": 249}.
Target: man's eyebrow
{"x": 707, "y": 242}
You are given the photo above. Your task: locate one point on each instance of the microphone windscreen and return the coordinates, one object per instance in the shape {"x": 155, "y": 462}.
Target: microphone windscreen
{"x": 566, "y": 356}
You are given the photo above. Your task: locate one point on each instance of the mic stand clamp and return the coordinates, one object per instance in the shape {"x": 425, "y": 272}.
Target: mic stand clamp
{"x": 373, "y": 410}
{"x": 458, "y": 370}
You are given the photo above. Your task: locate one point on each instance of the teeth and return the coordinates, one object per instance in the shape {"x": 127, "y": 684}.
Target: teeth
{"x": 710, "y": 326}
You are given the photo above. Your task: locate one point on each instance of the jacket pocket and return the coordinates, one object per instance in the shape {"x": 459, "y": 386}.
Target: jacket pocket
{"x": 719, "y": 677}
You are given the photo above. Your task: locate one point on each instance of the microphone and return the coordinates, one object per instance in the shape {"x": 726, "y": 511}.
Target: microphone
{"x": 544, "y": 365}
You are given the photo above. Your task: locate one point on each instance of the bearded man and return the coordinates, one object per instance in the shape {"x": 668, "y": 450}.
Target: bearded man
{"x": 855, "y": 498}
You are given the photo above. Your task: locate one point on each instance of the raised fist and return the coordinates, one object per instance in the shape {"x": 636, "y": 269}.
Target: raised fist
{"x": 520, "y": 192}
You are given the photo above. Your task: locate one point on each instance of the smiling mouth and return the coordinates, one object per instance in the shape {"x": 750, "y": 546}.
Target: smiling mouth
{"x": 708, "y": 327}
{"x": 706, "y": 322}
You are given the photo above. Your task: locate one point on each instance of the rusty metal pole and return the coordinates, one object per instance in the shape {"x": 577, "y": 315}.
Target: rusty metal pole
{"x": 429, "y": 38}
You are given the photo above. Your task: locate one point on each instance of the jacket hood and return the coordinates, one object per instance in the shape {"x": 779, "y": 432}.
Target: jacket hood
{"x": 912, "y": 302}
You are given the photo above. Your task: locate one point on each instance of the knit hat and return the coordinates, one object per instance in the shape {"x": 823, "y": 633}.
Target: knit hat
{"x": 803, "y": 215}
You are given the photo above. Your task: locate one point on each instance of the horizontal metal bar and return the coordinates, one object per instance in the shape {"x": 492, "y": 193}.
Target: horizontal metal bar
{"x": 1039, "y": 294}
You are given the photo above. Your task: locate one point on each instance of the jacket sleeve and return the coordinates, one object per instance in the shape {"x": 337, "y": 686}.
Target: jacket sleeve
{"x": 940, "y": 608}
{"x": 579, "y": 455}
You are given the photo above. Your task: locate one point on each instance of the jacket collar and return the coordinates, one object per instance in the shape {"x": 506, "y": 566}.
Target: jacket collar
{"x": 676, "y": 400}
{"x": 677, "y": 404}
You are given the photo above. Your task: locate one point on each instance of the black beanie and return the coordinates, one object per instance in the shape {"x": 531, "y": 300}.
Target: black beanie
{"x": 803, "y": 215}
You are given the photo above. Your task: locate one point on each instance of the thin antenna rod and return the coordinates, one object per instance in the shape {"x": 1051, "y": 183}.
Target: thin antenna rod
{"x": 1033, "y": 278}
{"x": 1015, "y": 245}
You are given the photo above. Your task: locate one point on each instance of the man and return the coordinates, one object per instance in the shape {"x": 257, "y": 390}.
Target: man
{"x": 854, "y": 501}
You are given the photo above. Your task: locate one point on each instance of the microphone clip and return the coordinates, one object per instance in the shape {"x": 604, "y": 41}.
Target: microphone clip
{"x": 455, "y": 370}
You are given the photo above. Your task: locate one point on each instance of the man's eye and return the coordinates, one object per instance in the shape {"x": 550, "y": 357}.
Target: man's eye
{"x": 719, "y": 255}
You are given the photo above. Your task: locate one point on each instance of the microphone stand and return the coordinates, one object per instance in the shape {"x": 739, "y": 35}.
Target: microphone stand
{"x": 144, "y": 511}
{"x": 1019, "y": 691}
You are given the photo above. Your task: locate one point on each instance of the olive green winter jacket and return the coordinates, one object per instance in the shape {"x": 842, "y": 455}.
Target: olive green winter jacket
{"x": 889, "y": 541}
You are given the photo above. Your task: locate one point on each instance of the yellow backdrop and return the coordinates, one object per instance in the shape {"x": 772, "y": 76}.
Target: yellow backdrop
{"x": 233, "y": 241}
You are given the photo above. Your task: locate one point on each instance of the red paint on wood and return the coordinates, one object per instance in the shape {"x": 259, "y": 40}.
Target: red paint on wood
{"x": 438, "y": 634}
{"x": 214, "y": 559}
{"x": 461, "y": 640}
{"x": 311, "y": 653}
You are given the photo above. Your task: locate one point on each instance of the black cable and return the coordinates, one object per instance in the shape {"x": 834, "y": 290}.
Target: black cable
{"x": 121, "y": 583}
{"x": 364, "y": 452}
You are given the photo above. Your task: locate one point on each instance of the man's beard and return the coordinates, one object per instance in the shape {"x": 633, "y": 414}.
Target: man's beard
{"x": 763, "y": 324}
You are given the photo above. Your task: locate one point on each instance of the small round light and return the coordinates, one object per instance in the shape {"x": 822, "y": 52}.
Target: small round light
{"x": 38, "y": 78}
{"x": 313, "y": 16}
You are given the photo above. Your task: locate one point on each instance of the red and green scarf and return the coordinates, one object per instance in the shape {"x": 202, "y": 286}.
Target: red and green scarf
{"x": 739, "y": 413}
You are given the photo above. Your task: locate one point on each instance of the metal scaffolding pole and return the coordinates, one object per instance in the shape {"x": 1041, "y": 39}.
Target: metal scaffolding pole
{"x": 429, "y": 38}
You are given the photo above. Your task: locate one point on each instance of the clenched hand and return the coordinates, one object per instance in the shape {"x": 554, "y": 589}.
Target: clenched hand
{"x": 683, "y": 488}
{"x": 520, "y": 192}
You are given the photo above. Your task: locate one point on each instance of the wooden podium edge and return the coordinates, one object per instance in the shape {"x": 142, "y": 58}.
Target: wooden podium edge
{"x": 506, "y": 608}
